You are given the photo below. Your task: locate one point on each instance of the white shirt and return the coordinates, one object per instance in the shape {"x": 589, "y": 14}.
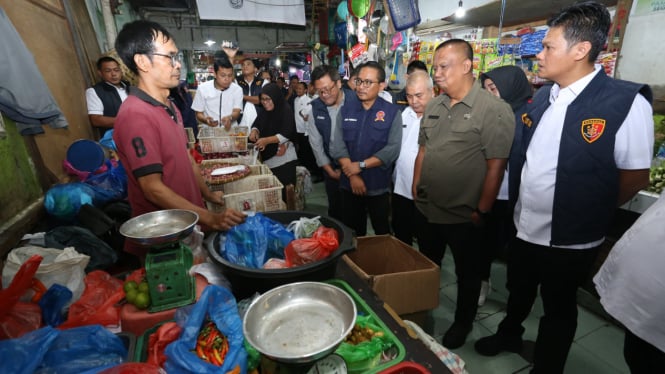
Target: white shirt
{"x": 385, "y": 95}
{"x": 403, "y": 175}
{"x": 631, "y": 282}
{"x": 300, "y": 109}
{"x": 95, "y": 105}
{"x": 207, "y": 100}
{"x": 632, "y": 150}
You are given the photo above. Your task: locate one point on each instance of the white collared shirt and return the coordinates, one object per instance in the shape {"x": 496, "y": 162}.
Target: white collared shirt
{"x": 632, "y": 151}
{"x": 403, "y": 175}
{"x": 95, "y": 105}
{"x": 207, "y": 100}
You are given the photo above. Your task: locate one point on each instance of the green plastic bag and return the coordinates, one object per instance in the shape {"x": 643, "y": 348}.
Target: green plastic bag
{"x": 366, "y": 355}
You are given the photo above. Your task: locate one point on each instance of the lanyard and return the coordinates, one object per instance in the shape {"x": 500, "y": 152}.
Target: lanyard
{"x": 221, "y": 94}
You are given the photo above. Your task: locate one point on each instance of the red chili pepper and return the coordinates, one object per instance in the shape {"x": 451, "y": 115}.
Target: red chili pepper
{"x": 217, "y": 358}
{"x": 200, "y": 353}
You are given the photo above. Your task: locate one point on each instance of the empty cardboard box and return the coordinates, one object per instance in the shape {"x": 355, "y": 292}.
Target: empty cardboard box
{"x": 401, "y": 275}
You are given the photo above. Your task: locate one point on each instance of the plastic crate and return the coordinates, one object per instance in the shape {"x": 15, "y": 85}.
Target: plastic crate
{"x": 260, "y": 193}
{"x": 223, "y": 144}
{"x": 404, "y": 13}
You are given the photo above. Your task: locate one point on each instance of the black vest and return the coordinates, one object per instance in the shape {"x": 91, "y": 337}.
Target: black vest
{"x": 586, "y": 189}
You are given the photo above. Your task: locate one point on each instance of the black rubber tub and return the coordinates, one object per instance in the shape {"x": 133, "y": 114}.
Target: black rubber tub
{"x": 246, "y": 281}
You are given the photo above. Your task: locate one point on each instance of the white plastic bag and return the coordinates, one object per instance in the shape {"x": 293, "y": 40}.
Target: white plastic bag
{"x": 304, "y": 227}
{"x": 65, "y": 267}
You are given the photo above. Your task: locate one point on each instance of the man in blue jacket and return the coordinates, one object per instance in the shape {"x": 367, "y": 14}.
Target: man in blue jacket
{"x": 366, "y": 144}
{"x": 586, "y": 149}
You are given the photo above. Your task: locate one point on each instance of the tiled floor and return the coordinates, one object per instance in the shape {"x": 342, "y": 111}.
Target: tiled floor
{"x": 598, "y": 344}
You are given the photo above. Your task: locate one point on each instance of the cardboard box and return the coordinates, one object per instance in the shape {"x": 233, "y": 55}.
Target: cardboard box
{"x": 401, "y": 276}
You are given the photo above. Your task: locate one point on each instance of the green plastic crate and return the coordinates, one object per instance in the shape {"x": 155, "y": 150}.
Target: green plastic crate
{"x": 167, "y": 273}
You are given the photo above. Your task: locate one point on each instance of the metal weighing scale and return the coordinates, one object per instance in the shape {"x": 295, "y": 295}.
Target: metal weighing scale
{"x": 168, "y": 261}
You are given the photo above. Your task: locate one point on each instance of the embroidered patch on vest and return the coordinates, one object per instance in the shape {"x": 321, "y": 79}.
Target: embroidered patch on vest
{"x": 379, "y": 116}
{"x": 592, "y": 129}
{"x": 526, "y": 120}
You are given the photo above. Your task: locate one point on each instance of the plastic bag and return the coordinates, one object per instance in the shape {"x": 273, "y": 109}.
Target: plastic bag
{"x": 218, "y": 305}
{"x": 110, "y": 185}
{"x": 303, "y": 251}
{"x": 159, "y": 340}
{"x": 19, "y": 282}
{"x": 97, "y": 305}
{"x": 133, "y": 368}
{"x": 101, "y": 255}
{"x": 23, "y": 355}
{"x": 275, "y": 263}
{"x": 63, "y": 201}
{"x": 83, "y": 348}
{"x": 17, "y": 318}
{"x": 252, "y": 242}
{"x": 367, "y": 350}
{"x": 65, "y": 267}
{"x": 304, "y": 227}
{"x": 53, "y": 304}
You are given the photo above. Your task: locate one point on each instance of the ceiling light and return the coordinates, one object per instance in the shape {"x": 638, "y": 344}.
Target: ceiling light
{"x": 460, "y": 12}
{"x": 209, "y": 42}
{"x": 278, "y": 62}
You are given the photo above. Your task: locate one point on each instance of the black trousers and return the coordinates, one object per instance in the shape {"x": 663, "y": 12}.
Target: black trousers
{"x": 642, "y": 357}
{"x": 500, "y": 231}
{"x": 286, "y": 174}
{"x": 356, "y": 208}
{"x": 558, "y": 272}
{"x": 465, "y": 241}
{"x": 305, "y": 155}
{"x": 334, "y": 196}
{"x": 407, "y": 221}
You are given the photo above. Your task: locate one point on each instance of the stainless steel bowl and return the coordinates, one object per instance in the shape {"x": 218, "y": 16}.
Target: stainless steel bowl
{"x": 159, "y": 227}
{"x": 299, "y": 323}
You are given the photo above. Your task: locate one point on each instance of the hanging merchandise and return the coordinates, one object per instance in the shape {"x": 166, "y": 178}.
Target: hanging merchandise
{"x": 343, "y": 10}
{"x": 359, "y": 8}
{"x": 340, "y": 34}
{"x": 358, "y": 54}
{"x": 404, "y": 13}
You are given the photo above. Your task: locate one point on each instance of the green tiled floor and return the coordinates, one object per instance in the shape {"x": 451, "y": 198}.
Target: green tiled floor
{"x": 598, "y": 344}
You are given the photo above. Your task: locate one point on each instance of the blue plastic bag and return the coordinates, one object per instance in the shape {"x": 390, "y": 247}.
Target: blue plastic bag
{"x": 23, "y": 355}
{"x": 53, "y": 303}
{"x": 63, "y": 201}
{"x": 253, "y": 242}
{"x": 82, "y": 349}
{"x": 218, "y": 305}
{"x": 110, "y": 185}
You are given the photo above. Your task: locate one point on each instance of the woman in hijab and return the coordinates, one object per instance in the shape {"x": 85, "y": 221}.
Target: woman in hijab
{"x": 510, "y": 84}
{"x": 272, "y": 132}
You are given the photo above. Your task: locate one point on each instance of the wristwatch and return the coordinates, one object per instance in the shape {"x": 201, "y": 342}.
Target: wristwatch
{"x": 362, "y": 165}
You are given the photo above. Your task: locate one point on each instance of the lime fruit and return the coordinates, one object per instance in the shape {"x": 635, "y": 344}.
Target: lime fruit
{"x": 142, "y": 300}
{"x": 131, "y": 296}
{"x": 130, "y": 285}
{"x": 143, "y": 287}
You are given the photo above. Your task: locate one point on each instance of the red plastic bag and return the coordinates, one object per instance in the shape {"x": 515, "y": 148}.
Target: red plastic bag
{"x": 97, "y": 305}
{"x": 157, "y": 342}
{"x": 18, "y": 318}
{"x": 133, "y": 368}
{"x": 303, "y": 251}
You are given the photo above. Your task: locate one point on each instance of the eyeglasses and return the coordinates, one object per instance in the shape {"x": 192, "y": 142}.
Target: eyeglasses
{"x": 265, "y": 99}
{"x": 364, "y": 83}
{"x": 328, "y": 90}
{"x": 174, "y": 58}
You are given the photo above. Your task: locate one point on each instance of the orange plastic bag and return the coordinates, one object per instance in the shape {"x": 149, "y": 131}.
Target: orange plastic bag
{"x": 157, "y": 342}
{"x": 97, "y": 305}
{"x": 303, "y": 251}
{"x": 18, "y": 318}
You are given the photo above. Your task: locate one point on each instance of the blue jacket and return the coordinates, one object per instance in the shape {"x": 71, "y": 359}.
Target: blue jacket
{"x": 323, "y": 122}
{"x": 586, "y": 190}
{"x": 365, "y": 132}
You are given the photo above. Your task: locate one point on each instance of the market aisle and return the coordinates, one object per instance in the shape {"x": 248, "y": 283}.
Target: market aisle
{"x": 598, "y": 345}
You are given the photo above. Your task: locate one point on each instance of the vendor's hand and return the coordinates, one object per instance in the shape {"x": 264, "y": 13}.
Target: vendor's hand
{"x": 254, "y": 135}
{"x": 357, "y": 185}
{"x": 351, "y": 168}
{"x": 282, "y": 149}
{"x": 226, "y": 122}
{"x": 227, "y": 219}
{"x": 261, "y": 143}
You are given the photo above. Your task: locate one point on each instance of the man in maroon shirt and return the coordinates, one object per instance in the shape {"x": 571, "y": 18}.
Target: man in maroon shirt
{"x": 150, "y": 136}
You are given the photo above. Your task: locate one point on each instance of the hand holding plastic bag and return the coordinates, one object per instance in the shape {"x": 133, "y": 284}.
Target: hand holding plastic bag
{"x": 251, "y": 243}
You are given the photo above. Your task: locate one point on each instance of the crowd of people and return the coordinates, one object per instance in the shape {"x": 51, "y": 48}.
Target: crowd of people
{"x": 486, "y": 166}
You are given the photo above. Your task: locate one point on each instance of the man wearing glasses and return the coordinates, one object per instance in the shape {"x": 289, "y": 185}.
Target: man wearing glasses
{"x": 366, "y": 144}
{"x": 218, "y": 102}
{"x": 325, "y": 108}
{"x": 150, "y": 136}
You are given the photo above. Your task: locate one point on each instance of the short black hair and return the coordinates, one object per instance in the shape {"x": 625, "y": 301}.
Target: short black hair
{"x": 138, "y": 37}
{"x": 104, "y": 59}
{"x": 468, "y": 51}
{"x": 303, "y": 84}
{"x": 294, "y": 77}
{"x": 323, "y": 70}
{"x": 416, "y": 65}
{"x": 587, "y": 21}
{"x": 281, "y": 79}
{"x": 222, "y": 63}
{"x": 373, "y": 65}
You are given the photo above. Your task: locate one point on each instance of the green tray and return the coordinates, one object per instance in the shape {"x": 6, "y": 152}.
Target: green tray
{"x": 362, "y": 307}
{"x": 142, "y": 342}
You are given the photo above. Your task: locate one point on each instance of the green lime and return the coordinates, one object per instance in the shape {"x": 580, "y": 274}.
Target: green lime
{"x": 130, "y": 285}
{"x": 143, "y": 286}
{"x": 131, "y": 296}
{"x": 142, "y": 300}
